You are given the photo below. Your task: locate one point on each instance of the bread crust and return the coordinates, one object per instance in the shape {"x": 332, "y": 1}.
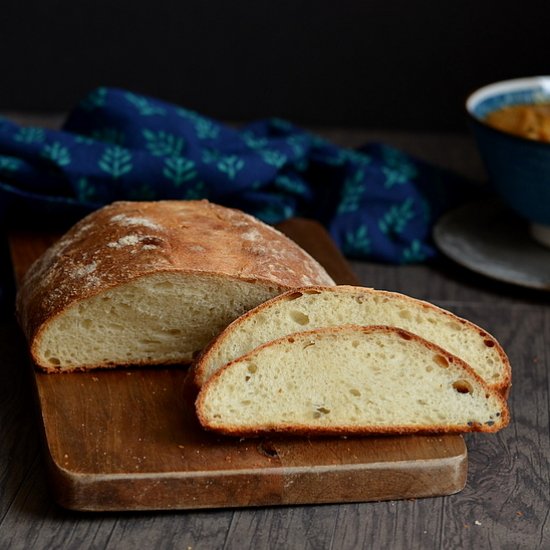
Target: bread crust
{"x": 313, "y": 431}
{"x": 128, "y": 240}
{"x": 199, "y": 367}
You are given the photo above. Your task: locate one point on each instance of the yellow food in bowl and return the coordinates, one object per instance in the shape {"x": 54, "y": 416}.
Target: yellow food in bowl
{"x": 529, "y": 121}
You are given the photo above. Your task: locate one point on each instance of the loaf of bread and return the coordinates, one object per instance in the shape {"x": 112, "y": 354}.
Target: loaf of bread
{"x": 316, "y": 307}
{"x": 349, "y": 380}
{"x": 141, "y": 283}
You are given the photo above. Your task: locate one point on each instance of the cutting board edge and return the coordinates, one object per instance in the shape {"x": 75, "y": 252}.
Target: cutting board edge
{"x": 83, "y": 492}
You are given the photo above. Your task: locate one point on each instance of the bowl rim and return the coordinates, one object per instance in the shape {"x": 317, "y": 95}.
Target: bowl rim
{"x": 501, "y": 86}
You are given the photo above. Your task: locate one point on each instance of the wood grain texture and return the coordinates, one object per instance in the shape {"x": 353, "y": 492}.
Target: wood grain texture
{"x": 129, "y": 439}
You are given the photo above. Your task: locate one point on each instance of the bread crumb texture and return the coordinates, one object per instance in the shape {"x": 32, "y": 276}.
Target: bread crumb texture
{"x": 349, "y": 380}
{"x": 152, "y": 282}
{"x": 317, "y": 307}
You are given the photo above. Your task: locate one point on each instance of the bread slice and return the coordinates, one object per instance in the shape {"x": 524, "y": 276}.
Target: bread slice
{"x": 315, "y": 307}
{"x": 141, "y": 283}
{"x": 349, "y": 380}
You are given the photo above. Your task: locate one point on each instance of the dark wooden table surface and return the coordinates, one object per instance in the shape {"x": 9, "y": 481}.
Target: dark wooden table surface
{"x": 504, "y": 505}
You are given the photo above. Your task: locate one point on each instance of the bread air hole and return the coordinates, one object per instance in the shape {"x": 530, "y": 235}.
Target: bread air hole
{"x": 489, "y": 343}
{"x": 299, "y": 317}
{"x": 54, "y": 361}
{"x": 294, "y": 296}
{"x": 252, "y": 368}
{"x": 355, "y": 344}
{"x": 148, "y": 341}
{"x": 355, "y": 392}
{"x": 463, "y": 386}
{"x": 454, "y": 325}
{"x": 404, "y": 314}
{"x": 441, "y": 361}
{"x": 320, "y": 411}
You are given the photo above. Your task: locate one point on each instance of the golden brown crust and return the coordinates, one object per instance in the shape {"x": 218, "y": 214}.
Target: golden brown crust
{"x": 318, "y": 431}
{"x": 199, "y": 366}
{"x": 126, "y": 240}
{"x": 356, "y": 430}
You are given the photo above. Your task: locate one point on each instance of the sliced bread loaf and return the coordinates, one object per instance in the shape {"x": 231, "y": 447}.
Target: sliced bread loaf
{"x": 316, "y": 307}
{"x": 152, "y": 282}
{"x": 349, "y": 380}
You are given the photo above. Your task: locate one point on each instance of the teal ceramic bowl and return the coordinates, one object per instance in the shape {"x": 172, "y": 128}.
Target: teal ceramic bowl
{"x": 518, "y": 168}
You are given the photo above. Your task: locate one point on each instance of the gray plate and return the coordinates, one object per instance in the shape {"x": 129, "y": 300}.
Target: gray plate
{"x": 488, "y": 238}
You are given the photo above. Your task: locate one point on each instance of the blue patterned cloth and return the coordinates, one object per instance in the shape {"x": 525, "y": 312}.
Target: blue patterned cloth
{"x": 378, "y": 203}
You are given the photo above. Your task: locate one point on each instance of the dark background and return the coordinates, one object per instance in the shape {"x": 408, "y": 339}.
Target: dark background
{"x": 372, "y": 63}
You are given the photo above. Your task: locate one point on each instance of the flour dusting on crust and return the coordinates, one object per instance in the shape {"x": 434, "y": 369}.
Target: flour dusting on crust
{"x": 129, "y": 221}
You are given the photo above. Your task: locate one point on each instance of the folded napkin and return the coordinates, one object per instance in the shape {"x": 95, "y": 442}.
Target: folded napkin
{"x": 377, "y": 202}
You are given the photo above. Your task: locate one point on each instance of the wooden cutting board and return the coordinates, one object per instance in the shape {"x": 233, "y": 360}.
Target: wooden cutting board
{"x": 129, "y": 439}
